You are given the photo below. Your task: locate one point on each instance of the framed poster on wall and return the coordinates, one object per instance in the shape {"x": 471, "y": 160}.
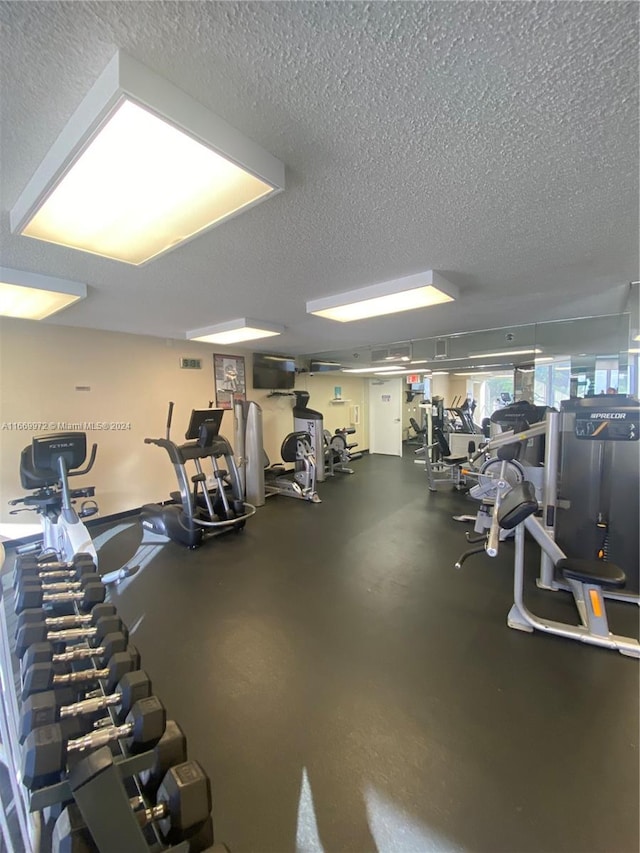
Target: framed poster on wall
{"x": 229, "y": 380}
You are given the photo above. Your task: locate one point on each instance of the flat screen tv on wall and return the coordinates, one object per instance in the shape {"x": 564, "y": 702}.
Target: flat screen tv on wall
{"x": 273, "y": 372}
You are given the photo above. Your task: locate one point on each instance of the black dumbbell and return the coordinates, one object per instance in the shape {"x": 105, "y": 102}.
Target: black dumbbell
{"x": 182, "y": 809}
{"x": 37, "y": 632}
{"x": 45, "y": 652}
{"x": 35, "y": 596}
{"x": 28, "y": 561}
{"x": 42, "y": 676}
{"x": 45, "y": 751}
{"x": 53, "y": 575}
{"x": 42, "y": 709}
{"x": 68, "y": 585}
{"x": 35, "y": 614}
{"x": 170, "y": 750}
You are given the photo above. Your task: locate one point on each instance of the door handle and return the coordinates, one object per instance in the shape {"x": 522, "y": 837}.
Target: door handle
{"x": 396, "y": 420}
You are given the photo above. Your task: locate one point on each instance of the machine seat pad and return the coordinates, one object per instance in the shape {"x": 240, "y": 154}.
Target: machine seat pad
{"x": 517, "y": 505}
{"x": 592, "y": 571}
{"x": 455, "y": 460}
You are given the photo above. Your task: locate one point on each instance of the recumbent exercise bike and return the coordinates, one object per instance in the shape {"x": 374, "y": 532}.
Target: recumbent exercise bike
{"x": 45, "y": 467}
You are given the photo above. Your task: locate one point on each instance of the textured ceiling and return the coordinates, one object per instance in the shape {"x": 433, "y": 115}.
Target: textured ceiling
{"x": 495, "y": 142}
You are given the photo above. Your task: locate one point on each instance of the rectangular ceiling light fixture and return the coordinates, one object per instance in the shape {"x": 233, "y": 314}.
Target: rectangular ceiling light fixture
{"x": 533, "y": 351}
{"x": 378, "y": 369}
{"x": 33, "y": 297}
{"x": 140, "y": 168}
{"x": 388, "y": 297}
{"x": 235, "y": 332}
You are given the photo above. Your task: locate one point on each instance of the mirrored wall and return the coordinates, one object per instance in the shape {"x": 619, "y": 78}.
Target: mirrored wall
{"x": 543, "y": 363}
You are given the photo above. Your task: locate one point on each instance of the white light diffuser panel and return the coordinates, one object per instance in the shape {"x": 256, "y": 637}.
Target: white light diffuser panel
{"x": 235, "y": 332}
{"x": 139, "y": 169}
{"x": 389, "y": 297}
{"x": 33, "y": 297}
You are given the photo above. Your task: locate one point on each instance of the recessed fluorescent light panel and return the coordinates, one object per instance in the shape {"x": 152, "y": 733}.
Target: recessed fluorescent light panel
{"x": 394, "y": 372}
{"x": 139, "y": 169}
{"x": 380, "y": 369}
{"x": 506, "y": 352}
{"x": 33, "y": 297}
{"x": 389, "y": 297}
{"x": 235, "y": 332}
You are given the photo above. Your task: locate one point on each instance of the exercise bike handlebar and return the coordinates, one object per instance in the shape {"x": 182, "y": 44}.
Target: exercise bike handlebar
{"x": 80, "y": 471}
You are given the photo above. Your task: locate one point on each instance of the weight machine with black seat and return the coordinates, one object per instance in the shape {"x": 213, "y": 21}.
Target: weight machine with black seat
{"x": 196, "y": 512}
{"x": 586, "y": 579}
{"x": 338, "y": 452}
{"x": 300, "y": 482}
{"x": 261, "y": 479}
{"x": 526, "y": 439}
{"x": 420, "y": 433}
{"x": 589, "y": 580}
{"x": 440, "y": 465}
{"x": 597, "y": 471}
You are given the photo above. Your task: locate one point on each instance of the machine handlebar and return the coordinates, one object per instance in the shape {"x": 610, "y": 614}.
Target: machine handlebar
{"x": 80, "y": 471}
{"x": 493, "y": 539}
{"x": 169, "y": 418}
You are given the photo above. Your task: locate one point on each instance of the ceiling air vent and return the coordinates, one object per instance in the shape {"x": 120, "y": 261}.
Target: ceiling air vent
{"x": 441, "y": 348}
{"x": 390, "y": 354}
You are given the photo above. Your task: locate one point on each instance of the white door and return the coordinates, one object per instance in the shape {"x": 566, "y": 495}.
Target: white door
{"x": 385, "y": 416}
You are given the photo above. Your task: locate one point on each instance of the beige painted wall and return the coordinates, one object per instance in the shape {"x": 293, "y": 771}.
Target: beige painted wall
{"x": 131, "y": 380}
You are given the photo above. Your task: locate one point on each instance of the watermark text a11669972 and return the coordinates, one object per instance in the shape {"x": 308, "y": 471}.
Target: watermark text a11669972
{"x": 65, "y": 426}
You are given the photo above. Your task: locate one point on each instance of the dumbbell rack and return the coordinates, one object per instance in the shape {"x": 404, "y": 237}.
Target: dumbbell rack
{"x": 28, "y": 822}
{"x": 96, "y": 783}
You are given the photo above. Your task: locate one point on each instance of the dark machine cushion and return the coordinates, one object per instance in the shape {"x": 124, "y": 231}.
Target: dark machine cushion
{"x": 289, "y": 448}
{"x": 35, "y": 478}
{"x": 416, "y": 427}
{"x": 508, "y": 452}
{"x": 517, "y": 505}
{"x": 592, "y": 571}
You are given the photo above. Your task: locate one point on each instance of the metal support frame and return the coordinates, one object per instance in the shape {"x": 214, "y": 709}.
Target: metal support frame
{"x": 593, "y": 628}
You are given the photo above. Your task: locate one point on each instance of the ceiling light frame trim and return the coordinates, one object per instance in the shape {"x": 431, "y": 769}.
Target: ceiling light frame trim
{"x": 393, "y": 287}
{"x": 126, "y": 79}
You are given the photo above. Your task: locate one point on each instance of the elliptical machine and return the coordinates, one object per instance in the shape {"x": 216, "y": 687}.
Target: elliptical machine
{"x": 196, "y": 512}
{"x": 45, "y": 466}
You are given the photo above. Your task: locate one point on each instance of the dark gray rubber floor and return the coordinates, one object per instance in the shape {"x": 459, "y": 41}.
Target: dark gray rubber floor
{"x": 348, "y": 690}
